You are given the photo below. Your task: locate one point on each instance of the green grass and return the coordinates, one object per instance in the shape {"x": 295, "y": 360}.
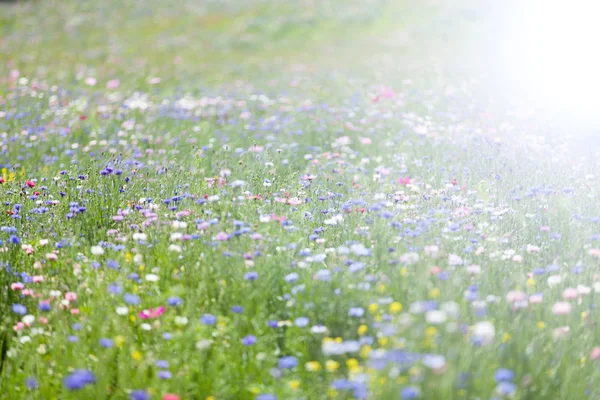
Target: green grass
{"x": 260, "y": 102}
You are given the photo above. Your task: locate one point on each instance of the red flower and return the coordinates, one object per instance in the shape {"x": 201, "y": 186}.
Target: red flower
{"x": 1, "y": 181}
{"x": 30, "y": 183}
{"x": 36, "y": 193}
{"x": 82, "y": 117}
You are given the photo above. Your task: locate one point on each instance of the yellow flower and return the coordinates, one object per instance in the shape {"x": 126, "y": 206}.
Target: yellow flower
{"x": 332, "y": 393}
{"x": 530, "y": 282}
{"x": 254, "y": 390}
{"x": 382, "y": 341}
{"x": 128, "y": 257}
{"x": 338, "y": 340}
{"x": 582, "y": 361}
{"x": 332, "y": 365}
{"x": 365, "y": 351}
{"x": 403, "y": 272}
{"x": 373, "y": 307}
{"x": 362, "y": 329}
{"x": 541, "y": 325}
{"x": 395, "y": 307}
{"x": 119, "y": 340}
{"x": 132, "y": 318}
{"x": 295, "y": 384}
{"x": 434, "y": 293}
{"x": 381, "y": 288}
{"x": 506, "y": 337}
{"x": 313, "y": 366}
{"x": 136, "y": 355}
{"x": 430, "y": 331}
{"x": 142, "y": 267}
{"x": 584, "y": 315}
{"x": 352, "y": 363}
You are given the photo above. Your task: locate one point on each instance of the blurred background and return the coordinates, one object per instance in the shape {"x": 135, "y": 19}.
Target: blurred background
{"x": 525, "y": 58}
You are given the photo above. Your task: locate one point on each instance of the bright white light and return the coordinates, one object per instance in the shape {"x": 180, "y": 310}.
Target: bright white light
{"x": 559, "y": 43}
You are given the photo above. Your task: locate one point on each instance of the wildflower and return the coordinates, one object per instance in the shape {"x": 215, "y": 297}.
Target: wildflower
{"x": 561, "y": 308}
{"x": 19, "y": 309}
{"x": 152, "y": 313}
{"x": 106, "y": 343}
{"x": 288, "y": 362}
{"x": 139, "y": 395}
{"x": 208, "y": 319}
{"x": 249, "y": 340}
{"x": 78, "y": 379}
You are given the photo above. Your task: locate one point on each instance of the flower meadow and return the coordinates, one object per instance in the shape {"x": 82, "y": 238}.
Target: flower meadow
{"x": 262, "y": 240}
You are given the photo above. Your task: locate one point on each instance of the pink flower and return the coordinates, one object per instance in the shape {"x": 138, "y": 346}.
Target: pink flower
{"x": 152, "y": 313}
{"x": 30, "y": 183}
{"x": 365, "y": 140}
{"x": 536, "y": 298}
{"x": 595, "y": 354}
{"x": 37, "y": 278}
{"x": 222, "y": 236}
{"x": 27, "y": 292}
{"x": 75, "y": 311}
{"x": 113, "y": 84}
{"x": 71, "y": 296}
{"x": 295, "y": 201}
{"x": 405, "y": 180}
{"x": 570, "y": 293}
{"x": 515, "y": 295}
{"x": 17, "y": 286}
{"x": 19, "y": 326}
{"x": 170, "y": 396}
{"x": 561, "y": 308}
{"x": 43, "y": 320}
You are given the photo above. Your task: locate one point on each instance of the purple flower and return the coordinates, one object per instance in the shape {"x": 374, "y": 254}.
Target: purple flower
{"x": 249, "y": 340}
{"x": 288, "y": 362}
{"x": 410, "y": 392}
{"x": 208, "y": 319}
{"x": 131, "y": 299}
{"x": 251, "y": 276}
{"x": 504, "y": 375}
{"x": 78, "y": 379}
{"x": 164, "y": 374}
{"x": 301, "y": 322}
{"x": 164, "y": 364}
{"x": 174, "y": 301}
{"x": 237, "y": 309}
{"x": 19, "y": 309}
{"x": 31, "y": 383}
{"x": 139, "y": 395}
{"x": 266, "y": 396}
{"x": 106, "y": 343}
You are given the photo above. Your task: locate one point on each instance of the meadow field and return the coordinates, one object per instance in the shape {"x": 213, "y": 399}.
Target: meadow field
{"x": 226, "y": 200}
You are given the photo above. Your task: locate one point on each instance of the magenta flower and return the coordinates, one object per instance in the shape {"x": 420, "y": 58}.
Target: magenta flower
{"x": 152, "y": 313}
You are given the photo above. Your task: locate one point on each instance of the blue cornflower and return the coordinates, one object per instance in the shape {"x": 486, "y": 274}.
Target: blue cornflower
{"x": 139, "y": 395}
{"x": 164, "y": 374}
{"x": 410, "y": 392}
{"x": 19, "y": 309}
{"x": 44, "y": 306}
{"x": 266, "y": 396}
{"x": 301, "y": 322}
{"x": 31, "y": 383}
{"x": 208, "y": 319}
{"x": 251, "y": 276}
{"x": 356, "y": 312}
{"x": 249, "y": 340}
{"x": 131, "y": 299}
{"x": 164, "y": 364}
{"x": 237, "y": 309}
{"x": 504, "y": 375}
{"x": 505, "y": 388}
{"x": 106, "y": 343}
{"x": 174, "y": 301}
{"x": 287, "y": 362}
{"x": 79, "y": 379}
